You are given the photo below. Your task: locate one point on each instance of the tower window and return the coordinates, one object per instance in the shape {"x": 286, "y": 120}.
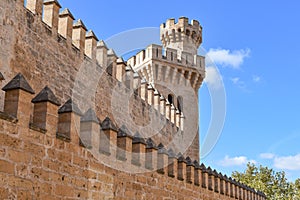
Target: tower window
{"x": 194, "y": 35}
{"x": 180, "y": 103}
{"x": 188, "y": 32}
{"x": 170, "y": 98}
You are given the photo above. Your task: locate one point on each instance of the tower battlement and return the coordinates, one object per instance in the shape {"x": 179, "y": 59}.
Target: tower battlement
{"x": 190, "y": 67}
{"x": 183, "y": 36}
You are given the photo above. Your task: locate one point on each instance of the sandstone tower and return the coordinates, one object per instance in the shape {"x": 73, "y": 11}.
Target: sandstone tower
{"x": 177, "y": 72}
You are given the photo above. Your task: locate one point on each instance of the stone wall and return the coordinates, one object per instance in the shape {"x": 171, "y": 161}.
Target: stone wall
{"x": 81, "y": 150}
{"x": 43, "y": 157}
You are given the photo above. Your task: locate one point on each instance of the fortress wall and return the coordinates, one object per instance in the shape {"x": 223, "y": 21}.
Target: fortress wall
{"x": 50, "y": 50}
{"x": 43, "y": 157}
{"x": 41, "y": 154}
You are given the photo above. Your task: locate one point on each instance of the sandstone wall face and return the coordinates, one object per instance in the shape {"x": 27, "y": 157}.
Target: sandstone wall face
{"x": 38, "y": 165}
{"x": 88, "y": 94}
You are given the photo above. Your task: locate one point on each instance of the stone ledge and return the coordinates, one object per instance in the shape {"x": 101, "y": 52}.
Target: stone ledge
{"x": 8, "y": 117}
{"x": 36, "y": 128}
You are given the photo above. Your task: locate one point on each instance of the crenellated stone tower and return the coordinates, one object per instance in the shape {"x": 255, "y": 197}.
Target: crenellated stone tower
{"x": 177, "y": 72}
{"x": 183, "y": 36}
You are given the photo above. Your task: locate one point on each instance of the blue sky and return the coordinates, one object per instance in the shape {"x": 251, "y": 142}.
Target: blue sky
{"x": 256, "y": 47}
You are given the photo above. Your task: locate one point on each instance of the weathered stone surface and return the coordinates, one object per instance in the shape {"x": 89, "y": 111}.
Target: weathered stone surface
{"x": 90, "y": 116}
{"x": 70, "y": 106}
{"x": 137, "y": 138}
{"x": 36, "y": 164}
{"x": 66, "y": 12}
{"x": 107, "y": 124}
{"x": 18, "y": 82}
{"x": 46, "y": 95}
{"x": 150, "y": 144}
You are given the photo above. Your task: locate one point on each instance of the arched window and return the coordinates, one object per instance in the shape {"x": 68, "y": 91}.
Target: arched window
{"x": 180, "y": 103}
{"x": 194, "y": 35}
{"x": 188, "y": 32}
{"x": 170, "y": 98}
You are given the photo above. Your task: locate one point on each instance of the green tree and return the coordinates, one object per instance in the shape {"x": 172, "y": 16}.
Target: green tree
{"x": 274, "y": 184}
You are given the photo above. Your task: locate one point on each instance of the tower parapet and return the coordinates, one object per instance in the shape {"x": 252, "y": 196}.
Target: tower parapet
{"x": 183, "y": 36}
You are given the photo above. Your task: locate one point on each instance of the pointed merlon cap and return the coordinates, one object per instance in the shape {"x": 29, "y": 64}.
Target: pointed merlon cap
{"x": 128, "y": 68}
{"x": 18, "y": 82}
{"x": 144, "y": 81}
{"x": 136, "y": 75}
{"x": 196, "y": 164}
{"x": 91, "y": 34}
{"x": 79, "y": 24}
{"x": 215, "y": 173}
{"x": 203, "y": 168}
{"x": 226, "y": 178}
{"x": 107, "y": 124}
{"x": 171, "y": 153}
{"x": 150, "y": 144}
{"x": 162, "y": 149}
{"x": 47, "y": 2}
{"x": 101, "y": 44}
{"x": 162, "y": 98}
{"x": 178, "y": 112}
{"x": 150, "y": 87}
{"x": 137, "y": 139}
{"x": 181, "y": 158}
{"x": 111, "y": 52}
{"x": 238, "y": 183}
{"x": 1, "y": 77}
{"x": 120, "y": 60}
{"x": 66, "y": 13}
{"x": 69, "y": 107}
{"x": 156, "y": 93}
{"x": 173, "y": 107}
{"x": 46, "y": 95}
{"x": 189, "y": 161}
{"x": 167, "y": 102}
{"x": 209, "y": 170}
{"x": 220, "y": 175}
{"x": 89, "y": 116}
{"x": 124, "y": 132}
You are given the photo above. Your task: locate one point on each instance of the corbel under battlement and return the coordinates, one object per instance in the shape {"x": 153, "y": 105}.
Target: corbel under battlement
{"x": 157, "y": 53}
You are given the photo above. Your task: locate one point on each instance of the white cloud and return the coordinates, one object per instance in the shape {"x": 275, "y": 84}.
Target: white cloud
{"x": 225, "y": 57}
{"x": 267, "y": 156}
{"x": 287, "y": 162}
{"x": 238, "y": 82}
{"x": 256, "y": 78}
{"x": 235, "y": 80}
{"x": 213, "y": 77}
{"x": 235, "y": 161}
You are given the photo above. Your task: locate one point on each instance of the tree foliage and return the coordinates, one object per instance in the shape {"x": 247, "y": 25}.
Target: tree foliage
{"x": 274, "y": 184}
